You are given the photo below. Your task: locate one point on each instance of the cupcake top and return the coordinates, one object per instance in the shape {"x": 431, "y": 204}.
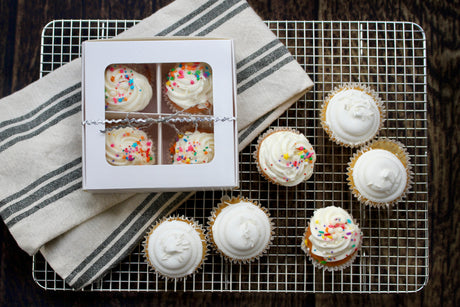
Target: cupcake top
{"x": 128, "y": 146}
{"x": 334, "y": 235}
{"x": 240, "y": 229}
{"x": 285, "y": 157}
{"x": 193, "y": 148}
{"x": 189, "y": 85}
{"x": 125, "y": 89}
{"x": 175, "y": 247}
{"x": 352, "y": 115}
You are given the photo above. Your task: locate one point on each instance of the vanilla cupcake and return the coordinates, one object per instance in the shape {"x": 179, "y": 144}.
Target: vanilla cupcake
{"x": 175, "y": 247}
{"x": 193, "y": 148}
{"x": 125, "y": 89}
{"x": 188, "y": 88}
{"x": 128, "y": 146}
{"x": 352, "y": 114}
{"x": 285, "y": 157}
{"x": 240, "y": 230}
{"x": 380, "y": 173}
{"x": 332, "y": 239}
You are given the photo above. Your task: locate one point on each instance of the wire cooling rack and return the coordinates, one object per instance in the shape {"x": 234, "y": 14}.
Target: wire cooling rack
{"x": 390, "y": 57}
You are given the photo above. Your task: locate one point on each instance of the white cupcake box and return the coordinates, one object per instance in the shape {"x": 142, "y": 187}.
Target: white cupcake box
{"x": 156, "y": 57}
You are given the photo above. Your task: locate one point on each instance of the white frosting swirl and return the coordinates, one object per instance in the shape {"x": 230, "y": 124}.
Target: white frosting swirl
{"x": 241, "y": 231}
{"x": 175, "y": 248}
{"x": 125, "y": 89}
{"x": 286, "y": 157}
{"x": 334, "y": 235}
{"x": 128, "y": 146}
{"x": 189, "y": 85}
{"x": 379, "y": 176}
{"x": 353, "y": 116}
{"x": 193, "y": 148}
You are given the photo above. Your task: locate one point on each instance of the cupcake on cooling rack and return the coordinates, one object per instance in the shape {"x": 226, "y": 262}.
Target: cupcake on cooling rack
{"x": 193, "y": 148}
{"x": 188, "y": 88}
{"x": 285, "y": 157}
{"x": 332, "y": 239}
{"x": 240, "y": 230}
{"x": 352, "y": 114}
{"x": 380, "y": 174}
{"x": 175, "y": 247}
{"x": 128, "y": 146}
{"x": 126, "y": 90}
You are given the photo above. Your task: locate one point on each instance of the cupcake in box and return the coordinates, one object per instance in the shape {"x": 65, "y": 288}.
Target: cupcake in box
{"x": 240, "y": 230}
{"x": 193, "y": 147}
{"x": 188, "y": 88}
{"x": 126, "y": 90}
{"x": 285, "y": 157}
{"x": 380, "y": 174}
{"x": 352, "y": 114}
{"x": 332, "y": 239}
{"x": 175, "y": 247}
{"x": 129, "y": 146}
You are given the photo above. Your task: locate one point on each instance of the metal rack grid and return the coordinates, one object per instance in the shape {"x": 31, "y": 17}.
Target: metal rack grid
{"x": 390, "y": 57}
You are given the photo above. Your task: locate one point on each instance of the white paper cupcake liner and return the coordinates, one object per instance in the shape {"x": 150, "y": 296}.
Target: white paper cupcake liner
{"x": 204, "y": 239}
{"x": 400, "y": 151}
{"x": 227, "y": 201}
{"x": 321, "y": 266}
{"x": 332, "y": 135}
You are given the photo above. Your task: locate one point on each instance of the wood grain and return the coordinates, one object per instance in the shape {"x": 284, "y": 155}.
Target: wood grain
{"x": 20, "y": 30}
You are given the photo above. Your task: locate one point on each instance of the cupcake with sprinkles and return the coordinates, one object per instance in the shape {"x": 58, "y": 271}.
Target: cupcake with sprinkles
{"x": 285, "y": 157}
{"x": 128, "y": 146}
{"x": 332, "y": 239}
{"x": 126, "y": 90}
{"x": 193, "y": 148}
{"x": 188, "y": 88}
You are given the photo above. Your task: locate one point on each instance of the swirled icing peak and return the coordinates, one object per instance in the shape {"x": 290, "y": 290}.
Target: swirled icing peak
{"x": 241, "y": 231}
{"x": 128, "y": 146}
{"x": 193, "y": 148}
{"x": 175, "y": 248}
{"x": 125, "y": 89}
{"x": 334, "y": 234}
{"x": 189, "y": 85}
{"x": 353, "y": 116}
{"x": 379, "y": 176}
{"x": 286, "y": 157}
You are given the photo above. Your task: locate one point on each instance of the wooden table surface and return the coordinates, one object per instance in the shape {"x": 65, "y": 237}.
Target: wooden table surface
{"x": 20, "y": 29}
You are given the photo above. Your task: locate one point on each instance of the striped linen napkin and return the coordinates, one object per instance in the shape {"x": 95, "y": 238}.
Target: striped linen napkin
{"x": 83, "y": 235}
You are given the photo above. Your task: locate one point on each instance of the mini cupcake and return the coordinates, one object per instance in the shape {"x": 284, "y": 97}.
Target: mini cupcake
{"x": 285, "y": 157}
{"x": 128, "y": 146}
{"x": 240, "y": 230}
{"x": 332, "y": 239}
{"x": 380, "y": 173}
{"x": 193, "y": 148}
{"x": 175, "y": 247}
{"x": 352, "y": 114}
{"x": 125, "y": 89}
{"x": 189, "y": 88}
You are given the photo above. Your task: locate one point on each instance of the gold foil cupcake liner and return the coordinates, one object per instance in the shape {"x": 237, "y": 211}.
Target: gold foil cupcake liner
{"x": 348, "y": 86}
{"x": 193, "y": 110}
{"x": 226, "y": 201}
{"x": 321, "y": 266}
{"x": 395, "y": 147}
{"x": 198, "y": 227}
{"x": 259, "y": 142}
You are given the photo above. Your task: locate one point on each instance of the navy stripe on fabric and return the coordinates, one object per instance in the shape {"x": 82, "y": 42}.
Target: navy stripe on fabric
{"x": 39, "y": 181}
{"x": 42, "y": 106}
{"x": 225, "y": 19}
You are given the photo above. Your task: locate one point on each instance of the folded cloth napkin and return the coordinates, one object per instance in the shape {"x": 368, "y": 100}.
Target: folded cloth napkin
{"x": 83, "y": 235}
